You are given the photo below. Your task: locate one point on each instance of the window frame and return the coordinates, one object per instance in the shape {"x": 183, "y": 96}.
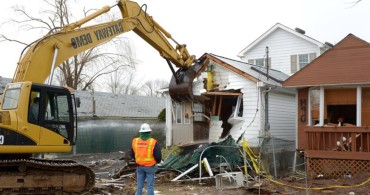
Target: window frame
{"x": 188, "y": 119}
{"x": 177, "y": 114}
{"x": 333, "y": 107}
{"x": 11, "y": 99}
{"x": 299, "y": 60}
{"x": 260, "y": 60}
{"x": 198, "y": 113}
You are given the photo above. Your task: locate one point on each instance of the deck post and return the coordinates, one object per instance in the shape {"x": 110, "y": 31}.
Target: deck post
{"x": 358, "y": 104}
{"x": 322, "y": 108}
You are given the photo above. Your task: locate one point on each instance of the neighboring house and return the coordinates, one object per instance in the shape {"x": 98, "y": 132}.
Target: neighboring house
{"x": 334, "y": 109}
{"x": 3, "y": 82}
{"x": 288, "y": 50}
{"x": 108, "y": 105}
{"x": 230, "y": 100}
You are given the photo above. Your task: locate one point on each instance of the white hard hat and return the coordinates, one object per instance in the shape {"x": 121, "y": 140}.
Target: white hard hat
{"x": 145, "y": 128}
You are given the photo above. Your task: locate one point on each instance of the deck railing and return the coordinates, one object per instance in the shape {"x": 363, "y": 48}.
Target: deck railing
{"x": 338, "y": 142}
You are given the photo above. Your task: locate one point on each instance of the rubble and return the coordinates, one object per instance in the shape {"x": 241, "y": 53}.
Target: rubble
{"x": 115, "y": 174}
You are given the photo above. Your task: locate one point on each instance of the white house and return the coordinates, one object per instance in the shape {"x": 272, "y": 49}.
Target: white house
{"x": 288, "y": 50}
{"x": 231, "y": 100}
{"x": 247, "y": 86}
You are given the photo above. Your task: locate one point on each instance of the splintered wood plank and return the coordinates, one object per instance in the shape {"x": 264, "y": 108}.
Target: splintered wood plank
{"x": 219, "y": 106}
{"x": 214, "y": 105}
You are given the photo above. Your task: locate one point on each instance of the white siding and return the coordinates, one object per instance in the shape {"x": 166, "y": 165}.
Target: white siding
{"x": 236, "y": 81}
{"x": 215, "y": 131}
{"x": 251, "y": 113}
{"x": 168, "y": 119}
{"x": 251, "y": 124}
{"x": 221, "y": 75}
{"x": 282, "y": 115}
{"x": 282, "y": 45}
{"x": 198, "y": 85}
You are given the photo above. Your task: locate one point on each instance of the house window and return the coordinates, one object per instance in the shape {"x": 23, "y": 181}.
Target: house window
{"x": 339, "y": 105}
{"x": 299, "y": 61}
{"x": 183, "y": 113}
{"x": 260, "y": 62}
{"x": 179, "y": 114}
{"x": 303, "y": 60}
{"x": 198, "y": 112}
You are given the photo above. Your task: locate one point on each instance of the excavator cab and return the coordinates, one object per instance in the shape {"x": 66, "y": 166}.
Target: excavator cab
{"x": 47, "y": 121}
{"x": 56, "y": 110}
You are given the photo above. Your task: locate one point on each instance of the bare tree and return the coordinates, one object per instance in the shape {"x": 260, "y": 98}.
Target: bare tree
{"x": 151, "y": 87}
{"x": 82, "y": 70}
{"x": 123, "y": 82}
{"x": 356, "y": 2}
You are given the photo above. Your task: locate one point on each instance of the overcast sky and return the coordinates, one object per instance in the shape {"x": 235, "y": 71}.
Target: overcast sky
{"x": 210, "y": 26}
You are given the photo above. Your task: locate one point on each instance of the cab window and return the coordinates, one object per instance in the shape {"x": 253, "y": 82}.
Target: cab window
{"x": 11, "y": 98}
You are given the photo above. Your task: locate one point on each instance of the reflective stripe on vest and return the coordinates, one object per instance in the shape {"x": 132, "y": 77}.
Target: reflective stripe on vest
{"x": 143, "y": 150}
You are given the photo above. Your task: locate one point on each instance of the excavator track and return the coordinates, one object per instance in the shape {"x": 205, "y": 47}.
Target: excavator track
{"x": 42, "y": 176}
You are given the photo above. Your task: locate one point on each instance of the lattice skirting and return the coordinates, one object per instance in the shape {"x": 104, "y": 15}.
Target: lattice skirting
{"x": 336, "y": 167}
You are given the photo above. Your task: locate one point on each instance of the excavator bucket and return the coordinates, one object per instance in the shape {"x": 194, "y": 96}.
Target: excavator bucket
{"x": 181, "y": 85}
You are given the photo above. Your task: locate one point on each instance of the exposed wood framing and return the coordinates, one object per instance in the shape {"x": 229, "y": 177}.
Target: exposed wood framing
{"x": 214, "y": 106}
{"x": 219, "y": 93}
{"x": 204, "y": 66}
{"x": 219, "y": 106}
{"x": 248, "y": 76}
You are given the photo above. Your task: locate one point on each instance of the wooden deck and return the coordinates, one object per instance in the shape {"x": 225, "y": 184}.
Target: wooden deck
{"x": 352, "y": 143}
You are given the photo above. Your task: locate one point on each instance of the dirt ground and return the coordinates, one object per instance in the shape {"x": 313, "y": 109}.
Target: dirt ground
{"x": 108, "y": 166}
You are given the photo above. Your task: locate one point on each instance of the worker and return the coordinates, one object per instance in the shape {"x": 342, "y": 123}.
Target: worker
{"x": 34, "y": 110}
{"x": 147, "y": 153}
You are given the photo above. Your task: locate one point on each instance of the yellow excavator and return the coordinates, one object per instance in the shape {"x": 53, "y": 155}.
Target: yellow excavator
{"x": 38, "y": 118}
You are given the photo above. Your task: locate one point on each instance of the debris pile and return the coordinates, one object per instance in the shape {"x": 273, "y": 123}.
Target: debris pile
{"x": 207, "y": 169}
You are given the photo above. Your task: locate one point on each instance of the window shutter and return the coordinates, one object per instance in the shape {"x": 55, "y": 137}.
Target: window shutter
{"x": 312, "y": 56}
{"x": 250, "y": 61}
{"x": 293, "y": 63}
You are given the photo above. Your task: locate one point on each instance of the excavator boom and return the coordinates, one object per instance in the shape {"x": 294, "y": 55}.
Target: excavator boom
{"x": 50, "y": 51}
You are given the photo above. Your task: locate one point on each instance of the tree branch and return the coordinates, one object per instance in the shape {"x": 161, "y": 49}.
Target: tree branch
{"x": 4, "y": 38}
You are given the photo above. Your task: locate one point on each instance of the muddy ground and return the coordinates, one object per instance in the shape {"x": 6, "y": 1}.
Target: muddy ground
{"x": 112, "y": 179}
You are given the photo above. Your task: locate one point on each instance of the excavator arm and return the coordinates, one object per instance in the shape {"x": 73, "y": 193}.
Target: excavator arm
{"x": 49, "y": 52}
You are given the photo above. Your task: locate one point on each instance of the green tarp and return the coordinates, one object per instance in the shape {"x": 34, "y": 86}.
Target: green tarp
{"x": 226, "y": 151}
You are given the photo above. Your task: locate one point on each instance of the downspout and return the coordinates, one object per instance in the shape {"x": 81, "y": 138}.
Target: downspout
{"x": 267, "y": 124}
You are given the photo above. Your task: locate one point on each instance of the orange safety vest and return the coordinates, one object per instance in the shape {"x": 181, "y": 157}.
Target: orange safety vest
{"x": 144, "y": 151}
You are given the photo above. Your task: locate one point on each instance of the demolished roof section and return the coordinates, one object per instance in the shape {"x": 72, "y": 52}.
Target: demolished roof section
{"x": 252, "y": 72}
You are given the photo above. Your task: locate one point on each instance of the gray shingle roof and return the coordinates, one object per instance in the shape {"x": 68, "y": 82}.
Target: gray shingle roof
{"x": 111, "y": 105}
{"x": 118, "y": 105}
{"x": 275, "y": 77}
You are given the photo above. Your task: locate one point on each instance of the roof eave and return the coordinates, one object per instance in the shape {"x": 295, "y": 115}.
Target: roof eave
{"x": 325, "y": 85}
